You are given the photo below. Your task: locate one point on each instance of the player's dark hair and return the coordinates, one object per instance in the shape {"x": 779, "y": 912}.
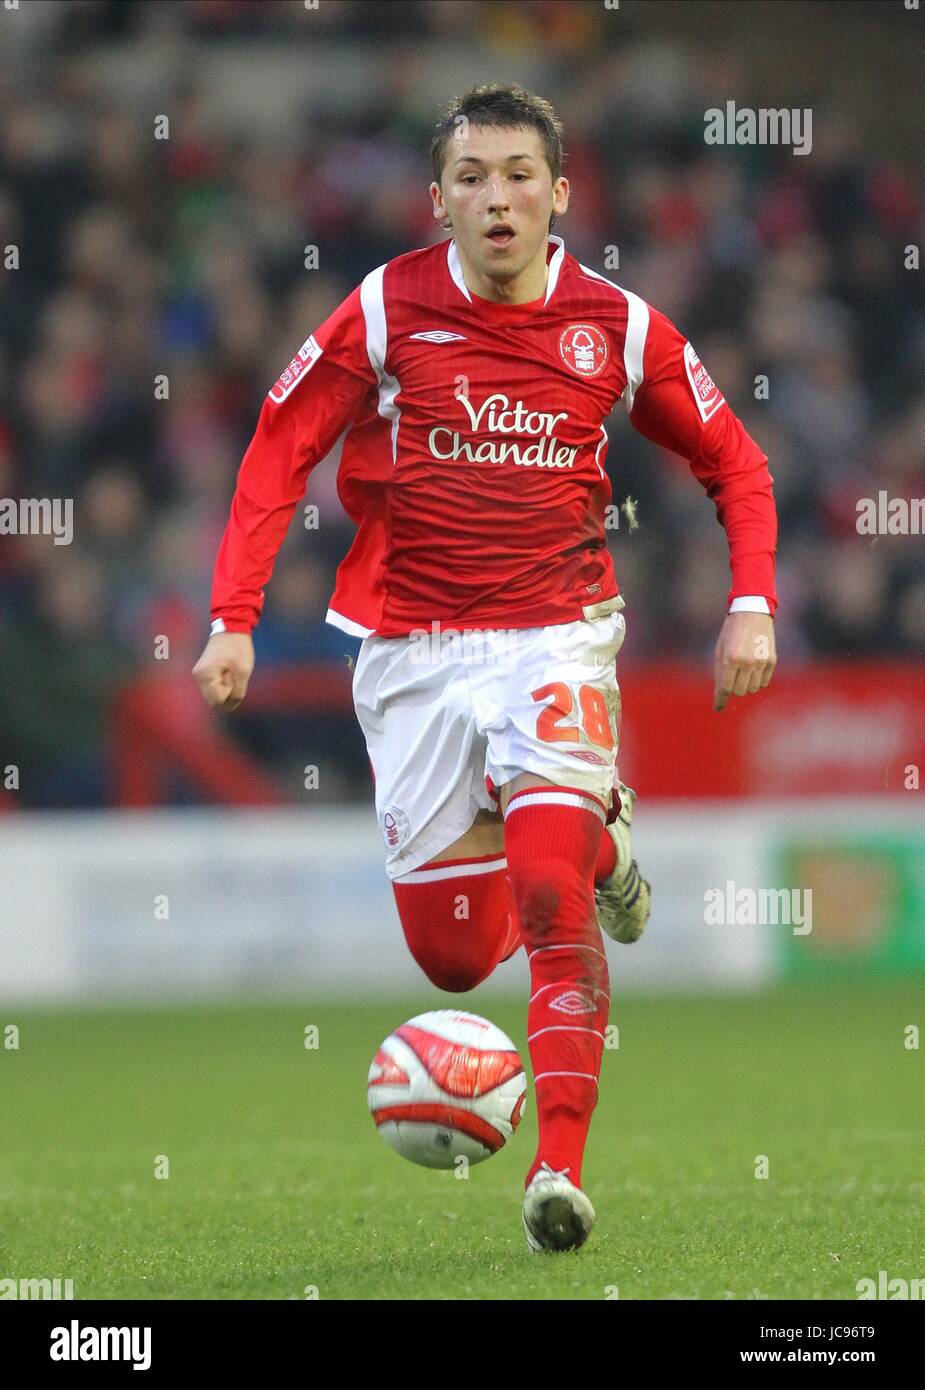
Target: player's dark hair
{"x": 503, "y": 106}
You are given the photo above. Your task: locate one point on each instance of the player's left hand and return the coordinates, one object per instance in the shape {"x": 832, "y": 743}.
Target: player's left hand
{"x": 745, "y": 656}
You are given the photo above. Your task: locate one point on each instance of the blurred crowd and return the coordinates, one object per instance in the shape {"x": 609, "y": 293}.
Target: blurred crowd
{"x": 161, "y": 286}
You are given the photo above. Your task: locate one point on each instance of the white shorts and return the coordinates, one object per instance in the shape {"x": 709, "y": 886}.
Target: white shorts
{"x": 450, "y": 716}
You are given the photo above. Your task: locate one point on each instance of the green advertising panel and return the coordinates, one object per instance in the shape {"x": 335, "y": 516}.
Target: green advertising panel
{"x": 867, "y": 903}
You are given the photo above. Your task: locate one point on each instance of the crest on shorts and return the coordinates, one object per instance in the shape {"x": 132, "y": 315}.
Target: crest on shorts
{"x": 583, "y": 348}
{"x": 395, "y": 827}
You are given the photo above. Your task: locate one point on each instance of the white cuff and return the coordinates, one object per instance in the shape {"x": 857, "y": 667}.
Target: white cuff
{"x": 217, "y": 626}
{"x": 750, "y": 603}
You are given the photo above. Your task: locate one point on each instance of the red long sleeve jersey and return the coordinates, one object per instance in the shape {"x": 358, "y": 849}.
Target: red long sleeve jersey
{"x": 473, "y": 466}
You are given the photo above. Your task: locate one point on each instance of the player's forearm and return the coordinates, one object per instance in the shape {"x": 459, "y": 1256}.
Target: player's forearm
{"x": 679, "y": 407}
{"x": 292, "y": 435}
{"x": 270, "y": 482}
{"x": 245, "y": 562}
{"x": 735, "y": 473}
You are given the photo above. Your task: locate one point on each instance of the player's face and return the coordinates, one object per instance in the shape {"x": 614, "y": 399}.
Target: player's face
{"x": 498, "y": 192}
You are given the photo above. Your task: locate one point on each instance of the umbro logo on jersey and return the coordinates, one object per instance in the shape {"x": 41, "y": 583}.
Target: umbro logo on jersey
{"x": 439, "y": 335}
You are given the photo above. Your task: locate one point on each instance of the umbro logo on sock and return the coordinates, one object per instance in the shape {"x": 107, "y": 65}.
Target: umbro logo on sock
{"x": 572, "y": 1002}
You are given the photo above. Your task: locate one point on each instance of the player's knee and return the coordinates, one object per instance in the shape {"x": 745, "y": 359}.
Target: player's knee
{"x": 554, "y": 898}
{"x": 455, "y": 977}
{"x": 538, "y": 904}
{"x": 451, "y": 966}
{"x": 456, "y": 928}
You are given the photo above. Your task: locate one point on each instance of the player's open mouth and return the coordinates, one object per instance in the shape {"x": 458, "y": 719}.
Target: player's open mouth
{"x": 502, "y": 235}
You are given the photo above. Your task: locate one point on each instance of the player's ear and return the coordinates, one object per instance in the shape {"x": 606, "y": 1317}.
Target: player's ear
{"x": 443, "y": 219}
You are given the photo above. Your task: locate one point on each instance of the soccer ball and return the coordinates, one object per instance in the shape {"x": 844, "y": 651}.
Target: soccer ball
{"x": 447, "y": 1085}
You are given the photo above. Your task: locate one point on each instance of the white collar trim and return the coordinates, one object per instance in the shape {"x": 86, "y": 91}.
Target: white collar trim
{"x": 555, "y": 265}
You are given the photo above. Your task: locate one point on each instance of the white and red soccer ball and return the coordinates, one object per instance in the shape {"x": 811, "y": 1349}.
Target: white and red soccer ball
{"x": 447, "y": 1085}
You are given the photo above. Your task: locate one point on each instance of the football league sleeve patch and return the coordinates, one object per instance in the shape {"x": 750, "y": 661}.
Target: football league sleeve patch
{"x": 707, "y": 395}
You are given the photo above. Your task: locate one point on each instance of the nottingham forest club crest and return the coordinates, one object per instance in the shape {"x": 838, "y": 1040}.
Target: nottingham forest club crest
{"x": 583, "y": 348}
{"x": 395, "y": 827}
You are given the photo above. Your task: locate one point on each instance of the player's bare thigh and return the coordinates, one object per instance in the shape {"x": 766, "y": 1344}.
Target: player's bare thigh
{"x": 486, "y": 833}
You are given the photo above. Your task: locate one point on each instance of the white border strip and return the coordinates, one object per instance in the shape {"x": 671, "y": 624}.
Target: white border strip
{"x": 542, "y": 797}
{"x": 438, "y": 871}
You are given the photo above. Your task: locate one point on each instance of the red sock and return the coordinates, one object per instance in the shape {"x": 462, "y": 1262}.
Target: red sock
{"x": 606, "y": 858}
{"x": 552, "y": 837}
{"x": 457, "y": 919}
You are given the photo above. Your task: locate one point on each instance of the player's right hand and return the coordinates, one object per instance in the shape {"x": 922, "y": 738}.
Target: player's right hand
{"x": 225, "y": 667}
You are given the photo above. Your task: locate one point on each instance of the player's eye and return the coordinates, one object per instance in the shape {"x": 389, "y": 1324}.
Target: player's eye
{"x": 520, "y": 175}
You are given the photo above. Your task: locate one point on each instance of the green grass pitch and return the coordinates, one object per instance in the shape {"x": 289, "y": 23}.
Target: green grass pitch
{"x": 278, "y": 1182}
